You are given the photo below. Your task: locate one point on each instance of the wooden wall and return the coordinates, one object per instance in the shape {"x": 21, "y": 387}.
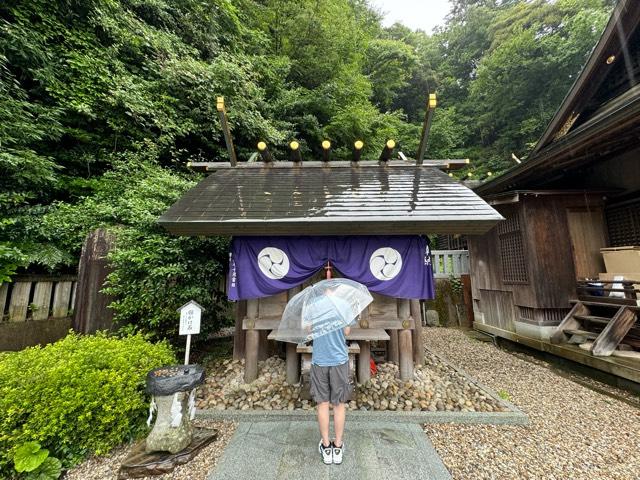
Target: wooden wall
{"x": 35, "y": 309}
{"x": 549, "y": 258}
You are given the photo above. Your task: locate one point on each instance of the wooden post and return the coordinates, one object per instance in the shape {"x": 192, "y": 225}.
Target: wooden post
{"x": 357, "y": 150}
{"x": 295, "y": 154}
{"x": 263, "y": 346}
{"x": 406, "y": 356}
{"x": 326, "y": 150}
{"x": 264, "y": 152}
{"x": 91, "y": 312}
{"x": 468, "y": 302}
{"x": 614, "y": 332}
{"x": 238, "y": 336}
{"x": 252, "y": 343}
{"x": 418, "y": 347}
{"x": 364, "y": 361}
{"x": 387, "y": 151}
{"x": 405, "y": 342}
{"x": 392, "y": 352}
{"x": 293, "y": 364}
{"x": 251, "y": 361}
{"x": 426, "y": 127}
{"x": 222, "y": 115}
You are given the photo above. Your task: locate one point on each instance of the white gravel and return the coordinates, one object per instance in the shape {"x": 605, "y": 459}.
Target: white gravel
{"x": 574, "y": 432}
{"x": 106, "y": 467}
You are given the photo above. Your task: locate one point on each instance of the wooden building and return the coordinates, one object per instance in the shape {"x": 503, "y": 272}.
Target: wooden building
{"x": 578, "y": 191}
{"x": 296, "y": 198}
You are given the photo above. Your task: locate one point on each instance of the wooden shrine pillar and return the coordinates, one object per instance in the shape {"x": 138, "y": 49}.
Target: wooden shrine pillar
{"x": 293, "y": 364}
{"x": 364, "y": 361}
{"x": 238, "y": 336}
{"x": 252, "y": 343}
{"x": 418, "y": 347}
{"x": 292, "y": 356}
{"x": 392, "y": 348}
{"x": 405, "y": 344}
{"x": 263, "y": 346}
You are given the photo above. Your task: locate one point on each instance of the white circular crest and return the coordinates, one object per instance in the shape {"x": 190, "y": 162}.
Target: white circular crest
{"x": 385, "y": 263}
{"x": 273, "y": 262}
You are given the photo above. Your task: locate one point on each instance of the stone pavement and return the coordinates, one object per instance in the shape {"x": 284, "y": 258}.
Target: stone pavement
{"x": 288, "y": 450}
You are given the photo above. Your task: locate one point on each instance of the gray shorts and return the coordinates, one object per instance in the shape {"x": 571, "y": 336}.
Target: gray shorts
{"x": 331, "y": 384}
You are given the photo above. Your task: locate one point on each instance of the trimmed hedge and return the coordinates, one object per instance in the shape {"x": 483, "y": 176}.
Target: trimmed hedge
{"x": 80, "y": 395}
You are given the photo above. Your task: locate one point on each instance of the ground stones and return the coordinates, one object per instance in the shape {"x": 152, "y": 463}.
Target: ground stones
{"x": 435, "y": 387}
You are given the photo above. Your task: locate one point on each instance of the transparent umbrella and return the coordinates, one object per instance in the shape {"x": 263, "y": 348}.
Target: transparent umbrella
{"x": 322, "y": 308}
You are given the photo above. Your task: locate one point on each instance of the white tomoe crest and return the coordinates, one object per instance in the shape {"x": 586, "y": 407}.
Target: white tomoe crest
{"x": 385, "y": 263}
{"x": 273, "y": 262}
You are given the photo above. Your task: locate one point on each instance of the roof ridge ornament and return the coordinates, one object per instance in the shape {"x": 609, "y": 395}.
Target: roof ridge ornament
{"x": 426, "y": 127}
{"x": 222, "y": 115}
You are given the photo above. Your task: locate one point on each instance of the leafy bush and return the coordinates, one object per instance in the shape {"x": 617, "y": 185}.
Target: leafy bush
{"x": 153, "y": 272}
{"x": 80, "y": 395}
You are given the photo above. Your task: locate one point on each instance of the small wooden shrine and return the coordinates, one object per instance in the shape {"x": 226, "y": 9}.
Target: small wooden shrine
{"x": 330, "y": 198}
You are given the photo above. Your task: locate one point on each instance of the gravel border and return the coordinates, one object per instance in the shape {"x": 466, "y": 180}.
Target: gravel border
{"x": 106, "y": 467}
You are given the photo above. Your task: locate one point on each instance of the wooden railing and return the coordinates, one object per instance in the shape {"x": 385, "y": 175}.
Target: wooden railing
{"x": 31, "y": 297}
{"x": 448, "y": 263}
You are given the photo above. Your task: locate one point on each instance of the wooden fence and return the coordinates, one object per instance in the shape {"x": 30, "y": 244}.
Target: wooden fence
{"x": 35, "y": 309}
{"x": 449, "y": 263}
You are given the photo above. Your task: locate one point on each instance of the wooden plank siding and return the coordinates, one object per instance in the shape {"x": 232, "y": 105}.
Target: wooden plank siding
{"x": 548, "y": 258}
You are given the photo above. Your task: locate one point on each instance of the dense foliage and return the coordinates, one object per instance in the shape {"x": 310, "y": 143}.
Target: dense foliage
{"x": 76, "y": 396}
{"x": 103, "y": 101}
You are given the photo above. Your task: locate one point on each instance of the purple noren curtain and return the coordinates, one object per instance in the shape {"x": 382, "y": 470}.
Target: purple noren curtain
{"x": 397, "y": 266}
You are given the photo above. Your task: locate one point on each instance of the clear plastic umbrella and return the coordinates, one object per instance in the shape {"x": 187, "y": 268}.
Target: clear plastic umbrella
{"x": 322, "y": 308}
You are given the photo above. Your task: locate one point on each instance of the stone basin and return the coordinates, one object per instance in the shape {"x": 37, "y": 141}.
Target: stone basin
{"x": 173, "y": 390}
{"x": 174, "y": 378}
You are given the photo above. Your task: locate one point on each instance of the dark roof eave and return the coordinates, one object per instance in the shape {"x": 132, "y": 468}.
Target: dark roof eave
{"x": 322, "y": 226}
{"x": 623, "y": 19}
{"x": 617, "y": 117}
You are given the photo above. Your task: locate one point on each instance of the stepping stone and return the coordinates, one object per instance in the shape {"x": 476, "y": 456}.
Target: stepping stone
{"x": 288, "y": 450}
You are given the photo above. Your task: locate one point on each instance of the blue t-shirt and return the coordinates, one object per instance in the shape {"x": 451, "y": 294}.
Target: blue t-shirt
{"x": 329, "y": 349}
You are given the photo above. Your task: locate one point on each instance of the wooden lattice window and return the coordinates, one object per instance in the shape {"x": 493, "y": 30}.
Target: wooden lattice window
{"x": 623, "y": 223}
{"x": 514, "y": 265}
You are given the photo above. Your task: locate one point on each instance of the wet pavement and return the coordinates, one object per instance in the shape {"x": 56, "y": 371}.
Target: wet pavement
{"x": 289, "y": 450}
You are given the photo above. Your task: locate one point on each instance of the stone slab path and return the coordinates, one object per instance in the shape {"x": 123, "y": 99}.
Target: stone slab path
{"x": 288, "y": 450}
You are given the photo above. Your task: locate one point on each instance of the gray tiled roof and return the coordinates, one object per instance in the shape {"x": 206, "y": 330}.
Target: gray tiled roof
{"x": 366, "y": 199}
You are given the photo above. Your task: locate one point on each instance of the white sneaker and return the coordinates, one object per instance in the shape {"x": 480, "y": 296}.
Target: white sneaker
{"x": 337, "y": 453}
{"x": 327, "y": 453}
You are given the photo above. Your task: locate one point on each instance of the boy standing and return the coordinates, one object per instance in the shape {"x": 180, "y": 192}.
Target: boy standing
{"x": 330, "y": 384}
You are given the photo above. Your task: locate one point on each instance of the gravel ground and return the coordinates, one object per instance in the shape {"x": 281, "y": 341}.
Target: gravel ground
{"x": 435, "y": 387}
{"x": 574, "y": 432}
{"x": 106, "y": 468}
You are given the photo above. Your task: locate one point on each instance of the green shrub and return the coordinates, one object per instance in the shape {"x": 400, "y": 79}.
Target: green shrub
{"x": 80, "y": 395}
{"x": 153, "y": 272}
